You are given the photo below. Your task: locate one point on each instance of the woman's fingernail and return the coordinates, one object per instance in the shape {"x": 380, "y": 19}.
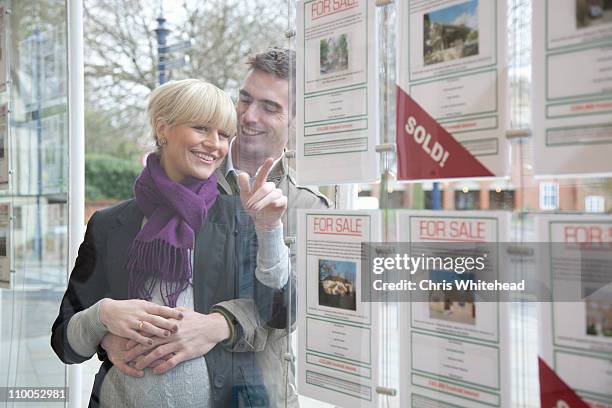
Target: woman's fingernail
{"x": 180, "y": 315}
{"x": 150, "y": 342}
{"x": 175, "y": 329}
{"x": 166, "y": 333}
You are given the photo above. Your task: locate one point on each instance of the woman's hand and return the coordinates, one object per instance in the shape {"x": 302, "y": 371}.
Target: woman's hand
{"x": 197, "y": 334}
{"x": 264, "y": 203}
{"x": 127, "y": 318}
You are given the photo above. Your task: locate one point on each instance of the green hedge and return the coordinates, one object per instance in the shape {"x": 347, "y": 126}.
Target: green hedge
{"x": 108, "y": 178}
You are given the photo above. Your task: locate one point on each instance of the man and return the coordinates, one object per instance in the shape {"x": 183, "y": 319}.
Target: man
{"x": 266, "y": 118}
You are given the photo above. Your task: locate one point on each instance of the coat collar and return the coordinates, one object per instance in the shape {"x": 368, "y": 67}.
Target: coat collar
{"x": 119, "y": 239}
{"x": 130, "y": 214}
{"x": 278, "y": 171}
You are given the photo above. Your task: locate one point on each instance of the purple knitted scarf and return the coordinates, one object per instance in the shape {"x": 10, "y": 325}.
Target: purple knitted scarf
{"x": 161, "y": 252}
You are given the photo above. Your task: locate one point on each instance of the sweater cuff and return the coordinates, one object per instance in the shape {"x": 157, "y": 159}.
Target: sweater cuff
{"x": 231, "y": 322}
{"x": 86, "y": 331}
{"x": 272, "y": 258}
{"x": 270, "y": 243}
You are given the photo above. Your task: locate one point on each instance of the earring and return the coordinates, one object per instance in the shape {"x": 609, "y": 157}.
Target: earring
{"x": 161, "y": 142}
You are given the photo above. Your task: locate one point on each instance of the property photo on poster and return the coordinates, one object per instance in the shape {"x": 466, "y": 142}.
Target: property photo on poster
{"x": 599, "y": 318}
{"x": 452, "y": 305}
{"x": 592, "y": 13}
{"x": 337, "y": 284}
{"x": 334, "y": 54}
{"x": 450, "y": 33}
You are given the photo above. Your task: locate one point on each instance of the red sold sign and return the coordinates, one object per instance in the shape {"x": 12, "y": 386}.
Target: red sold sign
{"x": 425, "y": 150}
{"x": 554, "y": 392}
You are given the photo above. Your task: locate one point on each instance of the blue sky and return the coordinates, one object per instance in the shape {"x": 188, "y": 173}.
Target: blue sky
{"x": 344, "y": 269}
{"x": 464, "y": 13}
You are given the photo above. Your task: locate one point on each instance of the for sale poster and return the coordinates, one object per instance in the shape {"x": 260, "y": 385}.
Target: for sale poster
{"x": 454, "y": 349}
{"x": 452, "y": 89}
{"x": 337, "y": 92}
{"x": 572, "y": 87}
{"x": 338, "y": 331}
{"x": 576, "y": 336}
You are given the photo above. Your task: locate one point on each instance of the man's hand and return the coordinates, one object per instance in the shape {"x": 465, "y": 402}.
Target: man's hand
{"x": 264, "y": 203}
{"x": 116, "y": 348}
{"x": 197, "y": 334}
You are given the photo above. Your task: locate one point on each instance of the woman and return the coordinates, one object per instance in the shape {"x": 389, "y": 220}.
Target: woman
{"x": 157, "y": 269}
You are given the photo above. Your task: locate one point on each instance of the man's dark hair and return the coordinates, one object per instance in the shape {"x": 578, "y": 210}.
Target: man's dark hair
{"x": 279, "y": 62}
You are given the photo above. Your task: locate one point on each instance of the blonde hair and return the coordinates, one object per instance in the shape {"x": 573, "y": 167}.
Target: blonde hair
{"x": 191, "y": 101}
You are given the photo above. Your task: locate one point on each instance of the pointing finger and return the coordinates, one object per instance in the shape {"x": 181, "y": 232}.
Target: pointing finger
{"x": 243, "y": 183}
{"x": 262, "y": 173}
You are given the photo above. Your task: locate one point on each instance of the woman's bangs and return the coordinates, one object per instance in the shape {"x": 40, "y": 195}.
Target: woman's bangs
{"x": 211, "y": 109}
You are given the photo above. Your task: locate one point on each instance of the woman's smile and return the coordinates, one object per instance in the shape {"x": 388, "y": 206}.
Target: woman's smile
{"x": 204, "y": 157}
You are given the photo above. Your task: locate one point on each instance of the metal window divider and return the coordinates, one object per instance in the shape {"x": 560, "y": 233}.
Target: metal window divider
{"x": 384, "y": 149}
{"x": 289, "y": 356}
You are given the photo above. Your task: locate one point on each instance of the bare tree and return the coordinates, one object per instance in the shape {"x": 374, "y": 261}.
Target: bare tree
{"x": 121, "y": 54}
